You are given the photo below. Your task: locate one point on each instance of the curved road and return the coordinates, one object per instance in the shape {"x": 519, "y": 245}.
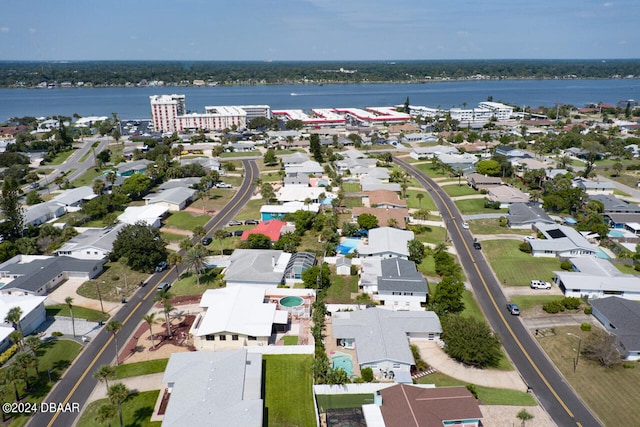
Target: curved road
{"x": 77, "y": 383}
{"x": 554, "y": 394}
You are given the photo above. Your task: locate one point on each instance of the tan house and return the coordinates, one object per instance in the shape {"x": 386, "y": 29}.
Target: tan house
{"x": 506, "y": 195}
{"x": 383, "y": 199}
{"x": 478, "y": 181}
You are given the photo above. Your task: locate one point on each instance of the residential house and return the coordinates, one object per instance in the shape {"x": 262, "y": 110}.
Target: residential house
{"x": 294, "y": 159}
{"x": 132, "y": 168}
{"x": 386, "y": 242}
{"x": 190, "y": 182}
{"x": 620, "y": 220}
{"x": 383, "y": 199}
{"x": 33, "y": 315}
{"x": 593, "y": 188}
{"x": 479, "y": 181}
{"x": 150, "y": 215}
{"x": 506, "y": 195}
{"x": 91, "y": 244}
{"x": 385, "y": 216}
{"x": 525, "y": 215}
{"x": 381, "y": 338}
{"x": 300, "y": 194}
{"x": 38, "y": 275}
{"x": 369, "y": 183}
{"x": 414, "y": 405}
{"x": 464, "y": 163}
{"x": 358, "y": 172}
{"x": 256, "y": 267}
{"x": 236, "y": 317}
{"x": 73, "y": 198}
{"x": 552, "y": 173}
{"x": 594, "y": 278}
{"x": 394, "y": 283}
{"x": 240, "y": 147}
{"x": 419, "y": 138}
{"x": 209, "y": 164}
{"x": 620, "y": 317}
{"x": 271, "y": 228}
{"x": 560, "y": 241}
{"x": 614, "y": 205}
{"x": 268, "y": 212}
{"x": 310, "y": 167}
{"x": 348, "y": 163}
{"x": 510, "y": 152}
{"x": 296, "y": 180}
{"x": 42, "y": 212}
{"x": 218, "y": 389}
{"x": 174, "y": 199}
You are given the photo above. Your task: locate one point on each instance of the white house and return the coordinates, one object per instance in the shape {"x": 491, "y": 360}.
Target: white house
{"x": 33, "y": 315}
{"x": 381, "y": 338}
{"x": 42, "y": 212}
{"x": 93, "y": 243}
{"x": 593, "y": 188}
{"x": 150, "y": 215}
{"x": 560, "y": 241}
{"x": 386, "y": 242}
{"x": 174, "y": 199}
{"x": 621, "y": 318}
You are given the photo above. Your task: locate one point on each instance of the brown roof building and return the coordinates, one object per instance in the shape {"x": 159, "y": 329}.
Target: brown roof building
{"x": 401, "y": 215}
{"x": 410, "y": 406}
{"x": 385, "y": 199}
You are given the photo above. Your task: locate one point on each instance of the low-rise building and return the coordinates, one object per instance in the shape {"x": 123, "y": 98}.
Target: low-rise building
{"x": 525, "y": 215}
{"x": 150, "y": 215}
{"x": 479, "y": 181}
{"x": 560, "y": 241}
{"x": 33, "y": 315}
{"x": 620, "y": 317}
{"x": 394, "y": 283}
{"x": 174, "y": 199}
{"x": 593, "y": 188}
{"x": 93, "y": 243}
{"x": 131, "y": 168}
{"x": 506, "y": 195}
{"x": 383, "y": 199}
{"x": 614, "y": 205}
{"x": 386, "y": 242}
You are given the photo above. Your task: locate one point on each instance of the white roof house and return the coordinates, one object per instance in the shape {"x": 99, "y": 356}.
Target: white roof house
{"x": 33, "y": 314}
{"x": 597, "y": 278}
{"x": 560, "y": 241}
{"x": 93, "y": 243}
{"x": 149, "y": 214}
{"x": 42, "y": 212}
{"x": 239, "y": 314}
{"x": 309, "y": 167}
{"x": 369, "y": 183}
{"x": 174, "y": 199}
{"x": 299, "y": 194}
{"x": 278, "y": 211}
{"x": 219, "y": 389}
{"x": 386, "y": 242}
{"x": 179, "y": 182}
{"x": 593, "y": 188}
{"x": 74, "y": 197}
{"x": 257, "y": 267}
{"x": 294, "y": 159}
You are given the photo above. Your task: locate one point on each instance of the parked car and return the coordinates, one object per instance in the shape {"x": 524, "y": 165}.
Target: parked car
{"x": 540, "y": 284}
{"x": 513, "y": 309}
{"x": 161, "y": 267}
{"x": 207, "y": 241}
{"x": 223, "y": 185}
{"x": 234, "y": 223}
{"x": 34, "y": 185}
{"x": 164, "y": 286}
{"x": 465, "y": 225}
{"x": 238, "y": 233}
{"x": 477, "y": 245}
{"x": 251, "y": 222}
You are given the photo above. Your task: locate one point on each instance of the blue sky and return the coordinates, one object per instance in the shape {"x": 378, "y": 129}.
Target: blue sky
{"x": 317, "y": 29}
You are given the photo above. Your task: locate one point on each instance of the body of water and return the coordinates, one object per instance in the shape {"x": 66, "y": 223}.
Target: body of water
{"x": 133, "y": 103}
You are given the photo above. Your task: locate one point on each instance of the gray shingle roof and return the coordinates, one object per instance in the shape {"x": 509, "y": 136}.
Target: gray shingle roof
{"x": 624, "y": 316}
{"x": 400, "y": 275}
{"x": 255, "y": 265}
{"x": 93, "y": 238}
{"x": 382, "y": 334}
{"x": 527, "y": 213}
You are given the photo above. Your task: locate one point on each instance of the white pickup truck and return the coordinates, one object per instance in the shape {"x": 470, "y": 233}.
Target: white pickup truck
{"x": 540, "y": 284}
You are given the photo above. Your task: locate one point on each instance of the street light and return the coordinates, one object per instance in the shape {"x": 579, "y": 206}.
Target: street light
{"x": 99, "y": 295}
{"x": 577, "y": 358}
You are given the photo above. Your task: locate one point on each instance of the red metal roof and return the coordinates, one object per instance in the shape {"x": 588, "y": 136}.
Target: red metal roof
{"x": 270, "y": 228}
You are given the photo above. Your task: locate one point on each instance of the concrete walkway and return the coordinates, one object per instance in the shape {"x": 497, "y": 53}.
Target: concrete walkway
{"x": 437, "y": 358}
{"x": 141, "y": 383}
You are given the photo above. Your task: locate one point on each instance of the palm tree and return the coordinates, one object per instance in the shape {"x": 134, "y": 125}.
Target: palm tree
{"x": 524, "y": 416}
{"x": 16, "y": 338}
{"x": 114, "y": 327}
{"x": 167, "y": 308}
{"x": 69, "y": 301}
{"x": 392, "y": 222}
{"x": 151, "y": 320}
{"x": 199, "y": 231}
{"x": 196, "y": 260}
{"x": 419, "y": 197}
{"x": 14, "y": 316}
{"x": 13, "y": 373}
{"x": 25, "y": 360}
{"x": 174, "y": 259}
{"x": 111, "y": 177}
{"x": 105, "y": 373}
{"x": 220, "y": 235}
{"x": 98, "y": 187}
{"x": 186, "y": 244}
{"x": 117, "y": 394}
{"x": 106, "y": 413}
{"x": 34, "y": 342}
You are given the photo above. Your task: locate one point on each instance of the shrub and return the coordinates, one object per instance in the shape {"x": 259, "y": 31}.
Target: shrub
{"x": 636, "y": 267}
{"x": 367, "y": 374}
{"x": 628, "y": 365}
{"x": 56, "y": 334}
{"x": 354, "y": 270}
{"x": 585, "y": 326}
{"x": 553, "y": 307}
{"x": 588, "y": 310}
{"x": 8, "y": 353}
{"x": 472, "y": 390}
{"x": 525, "y": 247}
{"x": 571, "y": 303}
{"x": 565, "y": 265}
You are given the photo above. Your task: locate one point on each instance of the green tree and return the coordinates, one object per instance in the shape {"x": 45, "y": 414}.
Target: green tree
{"x": 135, "y": 185}
{"x": 416, "y": 251}
{"x": 69, "y": 301}
{"x": 220, "y": 235}
{"x": 98, "y": 187}
{"x": 367, "y": 221}
{"x": 419, "y": 197}
{"x": 114, "y": 327}
{"x": 13, "y": 224}
{"x": 267, "y": 193}
{"x": 33, "y": 198}
{"x": 270, "y": 157}
{"x": 315, "y": 148}
{"x": 13, "y": 317}
{"x": 13, "y": 373}
{"x": 470, "y": 341}
{"x": 196, "y": 260}
{"x": 488, "y": 167}
{"x": 448, "y": 296}
{"x": 174, "y": 259}
{"x": 33, "y": 343}
{"x": 143, "y": 246}
{"x": 118, "y": 393}
{"x": 199, "y": 232}
{"x": 105, "y": 413}
{"x": 257, "y": 241}
{"x": 25, "y": 360}
{"x": 164, "y": 298}
{"x": 105, "y": 373}
{"x": 310, "y": 277}
{"x": 349, "y": 229}
{"x": 151, "y": 320}
{"x": 524, "y": 416}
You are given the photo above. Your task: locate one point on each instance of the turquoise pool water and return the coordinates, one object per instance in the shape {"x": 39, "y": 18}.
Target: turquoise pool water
{"x": 602, "y": 254}
{"x": 348, "y": 246}
{"x": 615, "y": 233}
{"x": 342, "y": 361}
{"x": 291, "y": 301}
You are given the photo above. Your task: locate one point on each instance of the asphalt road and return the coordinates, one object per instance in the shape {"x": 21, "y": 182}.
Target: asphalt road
{"x": 77, "y": 383}
{"x": 552, "y": 391}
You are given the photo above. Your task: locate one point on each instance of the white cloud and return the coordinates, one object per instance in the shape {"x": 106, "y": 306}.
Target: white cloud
{"x": 33, "y": 30}
{"x": 607, "y": 4}
{"x": 4, "y": 29}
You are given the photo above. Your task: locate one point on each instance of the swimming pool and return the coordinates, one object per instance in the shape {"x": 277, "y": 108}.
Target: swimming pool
{"x": 602, "y": 254}
{"x": 342, "y": 361}
{"x": 348, "y": 246}
{"x": 615, "y": 233}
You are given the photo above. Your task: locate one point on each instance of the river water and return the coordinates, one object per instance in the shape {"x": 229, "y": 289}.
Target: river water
{"x": 133, "y": 102}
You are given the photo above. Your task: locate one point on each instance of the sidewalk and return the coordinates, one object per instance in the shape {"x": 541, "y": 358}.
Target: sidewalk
{"x": 437, "y": 358}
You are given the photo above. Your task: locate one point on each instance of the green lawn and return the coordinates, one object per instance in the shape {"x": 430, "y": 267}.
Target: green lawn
{"x": 476, "y": 206}
{"x": 351, "y": 187}
{"x": 353, "y": 202}
{"x": 186, "y": 220}
{"x": 428, "y": 266}
{"x": 290, "y": 340}
{"x": 251, "y": 210}
{"x": 492, "y": 226}
{"x": 486, "y": 395}
{"x": 455, "y": 190}
{"x": 516, "y": 268}
{"x": 288, "y": 393}
{"x": 140, "y": 368}
{"x": 187, "y": 284}
{"x": 429, "y": 234}
{"x": 54, "y": 356}
{"x": 87, "y": 178}
{"x": 426, "y": 202}
{"x": 61, "y": 157}
{"x": 136, "y": 410}
{"x": 529, "y": 301}
{"x": 270, "y": 177}
{"x": 341, "y": 289}
{"x": 610, "y": 393}
{"x": 339, "y": 401}
{"x": 78, "y": 312}
{"x": 431, "y": 173}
